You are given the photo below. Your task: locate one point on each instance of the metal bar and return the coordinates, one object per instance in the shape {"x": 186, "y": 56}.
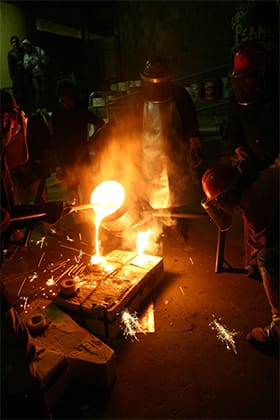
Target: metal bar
{"x": 27, "y": 217}
{"x": 220, "y": 251}
{"x": 27, "y": 237}
{"x": 180, "y": 215}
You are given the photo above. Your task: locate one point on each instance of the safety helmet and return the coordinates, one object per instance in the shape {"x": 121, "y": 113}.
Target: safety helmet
{"x": 249, "y": 55}
{"x": 218, "y": 180}
{"x": 155, "y": 71}
{"x": 248, "y": 74}
{"x": 217, "y": 183}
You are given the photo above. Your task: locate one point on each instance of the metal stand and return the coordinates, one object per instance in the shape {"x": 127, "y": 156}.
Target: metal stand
{"x": 220, "y": 260}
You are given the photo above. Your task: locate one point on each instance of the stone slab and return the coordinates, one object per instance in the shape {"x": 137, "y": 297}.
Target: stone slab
{"x": 89, "y": 360}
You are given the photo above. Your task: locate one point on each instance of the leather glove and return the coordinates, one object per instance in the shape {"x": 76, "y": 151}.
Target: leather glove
{"x": 242, "y": 159}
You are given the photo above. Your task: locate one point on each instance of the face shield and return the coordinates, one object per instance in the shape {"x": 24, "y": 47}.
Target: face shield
{"x": 220, "y": 211}
{"x": 247, "y": 86}
{"x": 156, "y": 92}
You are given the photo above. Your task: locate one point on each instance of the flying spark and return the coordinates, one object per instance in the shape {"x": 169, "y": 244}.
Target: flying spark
{"x": 32, "y": 277}
{"x": 41, "y": 242}
{"x": 224, "y": 335}
{"x": 68, "y": 238}
{"x": 130, "y": 324}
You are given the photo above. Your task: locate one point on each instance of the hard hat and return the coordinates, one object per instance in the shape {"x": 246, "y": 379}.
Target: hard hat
{"x": 249, "y": 55}
{"x": 218, "y": 180}
{"x": 155, "y": 71}
{"x": 248, "y": 75}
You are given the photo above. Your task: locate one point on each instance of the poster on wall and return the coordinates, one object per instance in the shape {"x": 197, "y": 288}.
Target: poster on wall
{"x": 258, "y": 21}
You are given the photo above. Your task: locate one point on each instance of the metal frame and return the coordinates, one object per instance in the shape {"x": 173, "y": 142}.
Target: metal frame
{"x": 220, "y": 260}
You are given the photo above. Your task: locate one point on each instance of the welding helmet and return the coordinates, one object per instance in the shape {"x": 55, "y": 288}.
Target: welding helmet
{"x": 219, "y": 185}
{"x": 248, "y": 75}
{"x": 13, "y": 130}
{"x": 156, "y": 79}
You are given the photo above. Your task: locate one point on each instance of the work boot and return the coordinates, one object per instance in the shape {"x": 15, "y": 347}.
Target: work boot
{"x": 266, "y": 336}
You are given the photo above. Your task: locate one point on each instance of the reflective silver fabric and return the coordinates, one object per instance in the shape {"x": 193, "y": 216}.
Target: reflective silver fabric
{"x": 165, "y": 157}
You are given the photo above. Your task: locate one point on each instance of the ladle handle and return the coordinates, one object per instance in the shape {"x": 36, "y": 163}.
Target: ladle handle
{"x": 27, "y": 217}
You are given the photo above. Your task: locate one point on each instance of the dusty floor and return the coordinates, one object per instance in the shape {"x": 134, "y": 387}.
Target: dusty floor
{"x": 183, "y": 370}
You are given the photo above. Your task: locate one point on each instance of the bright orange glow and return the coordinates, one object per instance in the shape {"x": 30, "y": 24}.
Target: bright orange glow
{"x": 105, "y": 199}
{"x": 142, "y": 240}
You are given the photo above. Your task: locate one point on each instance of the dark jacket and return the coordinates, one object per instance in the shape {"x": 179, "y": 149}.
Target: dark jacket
{"x": 15, "y": 63}
{"x": 256, "y": 127}
{"x": 70, "y": 134}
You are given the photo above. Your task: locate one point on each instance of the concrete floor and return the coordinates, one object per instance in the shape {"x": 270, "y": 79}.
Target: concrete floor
{"x": 182, "y": 370}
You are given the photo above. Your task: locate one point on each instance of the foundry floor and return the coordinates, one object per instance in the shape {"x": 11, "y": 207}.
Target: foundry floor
{"x": 182, "y": 370}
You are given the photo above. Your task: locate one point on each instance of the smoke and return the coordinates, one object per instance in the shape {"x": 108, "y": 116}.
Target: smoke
{"x": 119, "y": 155}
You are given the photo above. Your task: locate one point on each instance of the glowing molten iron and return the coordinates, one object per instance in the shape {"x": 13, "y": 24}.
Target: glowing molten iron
{"x": 105, "y": 199}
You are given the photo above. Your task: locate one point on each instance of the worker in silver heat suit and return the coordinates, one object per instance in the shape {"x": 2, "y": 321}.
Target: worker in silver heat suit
{"x": 171, "y": 148}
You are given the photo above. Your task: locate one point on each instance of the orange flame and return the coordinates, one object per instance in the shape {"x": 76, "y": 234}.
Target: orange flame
{"x": 142, "y": 240}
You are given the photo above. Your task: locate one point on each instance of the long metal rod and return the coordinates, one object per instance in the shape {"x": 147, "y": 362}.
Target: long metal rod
{"x": 180, "y": 215}
{"x": 220, "y": 251}
{"x": 80, "y": 207}
{"x": 27, "y": 217}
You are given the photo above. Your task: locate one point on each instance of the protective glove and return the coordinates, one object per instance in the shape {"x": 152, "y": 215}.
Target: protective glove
{"x": 242, "y": 153}
{"x": 243, "y": 159}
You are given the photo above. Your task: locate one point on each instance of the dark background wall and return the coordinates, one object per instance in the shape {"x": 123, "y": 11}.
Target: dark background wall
{"x": 194, "y": 36}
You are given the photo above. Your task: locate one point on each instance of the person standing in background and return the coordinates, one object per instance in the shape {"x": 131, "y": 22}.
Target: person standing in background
{"x": 21, "y": 80}
{"x": 35, "y": 63}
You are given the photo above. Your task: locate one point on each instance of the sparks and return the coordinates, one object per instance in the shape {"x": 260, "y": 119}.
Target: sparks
{"x": 78, "y": 258}
{"x": 41, "y": 259}
{"x": 33, "y": 277}
{"x": 224, "y": 335}
{"x": 68, "y": 238}
{"x": 41, "y": 242}
{"x": 25, "y": 302}
{"x": 50, "y": 282}
{"x": 130, "y": 324}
